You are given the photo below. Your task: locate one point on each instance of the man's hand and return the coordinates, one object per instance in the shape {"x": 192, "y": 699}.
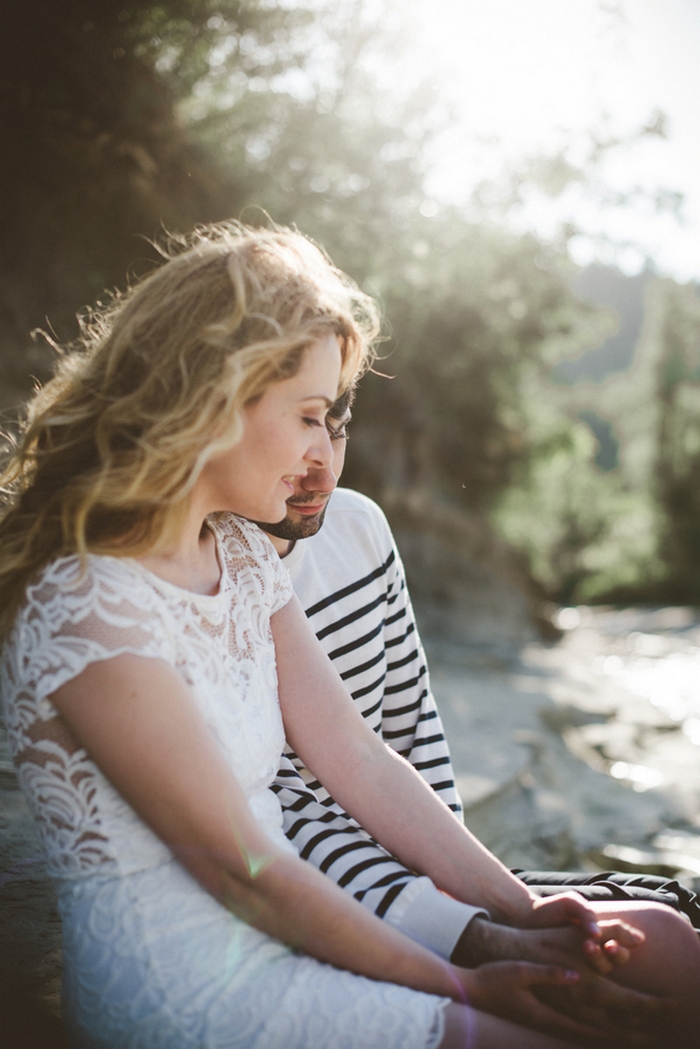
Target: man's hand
{"x": 606, "y": 943}
{"x": 568, "y": 946}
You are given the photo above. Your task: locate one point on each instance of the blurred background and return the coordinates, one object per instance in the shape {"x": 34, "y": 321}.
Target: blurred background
{"x": 516, "y": 183}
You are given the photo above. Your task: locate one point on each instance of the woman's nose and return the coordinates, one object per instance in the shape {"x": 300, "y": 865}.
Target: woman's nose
{"x": 321, "y": 451}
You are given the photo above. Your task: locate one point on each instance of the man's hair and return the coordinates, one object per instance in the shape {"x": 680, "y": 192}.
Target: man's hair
{"x": 343, "y": 404}
{"x": 111, "y": 447}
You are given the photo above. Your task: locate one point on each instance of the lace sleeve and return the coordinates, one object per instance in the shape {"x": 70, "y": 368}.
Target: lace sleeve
{"x": 74, "y": 617}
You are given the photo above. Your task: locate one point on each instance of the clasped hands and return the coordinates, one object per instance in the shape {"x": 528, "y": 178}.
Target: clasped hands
{"x": 552, "y": 975}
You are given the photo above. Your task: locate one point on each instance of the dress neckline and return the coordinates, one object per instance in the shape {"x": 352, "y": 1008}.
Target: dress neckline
{"x": 182, "y": 592}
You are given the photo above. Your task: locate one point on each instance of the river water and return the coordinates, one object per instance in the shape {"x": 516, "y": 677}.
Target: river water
{"x": 651, "y": 653}
{"x": 587, "y": 750}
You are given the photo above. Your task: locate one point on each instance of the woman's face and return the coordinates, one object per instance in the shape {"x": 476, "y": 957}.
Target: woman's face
{"x": 284, "y": 437}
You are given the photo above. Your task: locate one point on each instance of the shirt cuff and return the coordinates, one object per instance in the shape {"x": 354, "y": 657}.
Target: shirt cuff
{"x": 431, "y": 917}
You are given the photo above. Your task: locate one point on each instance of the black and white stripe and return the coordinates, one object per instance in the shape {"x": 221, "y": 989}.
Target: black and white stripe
{"x": 352, "y": 585}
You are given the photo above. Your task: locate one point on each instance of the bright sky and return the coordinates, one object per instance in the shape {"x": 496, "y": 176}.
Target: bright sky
{"x": 523, "y": 74}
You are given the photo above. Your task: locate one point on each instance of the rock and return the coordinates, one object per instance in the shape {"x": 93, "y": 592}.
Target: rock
{"x": 466, "y": 585}
{"x": 558, "y": 758}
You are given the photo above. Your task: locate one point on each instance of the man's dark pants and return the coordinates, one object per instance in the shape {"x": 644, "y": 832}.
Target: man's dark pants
{"x": 607, "y": 886}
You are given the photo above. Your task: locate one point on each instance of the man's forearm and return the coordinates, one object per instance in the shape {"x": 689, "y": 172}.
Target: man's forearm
{"x": 431, "y": 917}
{"x": 405, "y": 816}
{"x": 335, "y": 844}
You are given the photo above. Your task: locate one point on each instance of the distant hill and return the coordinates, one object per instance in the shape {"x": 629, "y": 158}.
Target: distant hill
{"x": 608, "y": 286}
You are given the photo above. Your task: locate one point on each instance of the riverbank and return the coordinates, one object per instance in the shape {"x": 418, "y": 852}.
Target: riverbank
{"x": 583, "y": 753}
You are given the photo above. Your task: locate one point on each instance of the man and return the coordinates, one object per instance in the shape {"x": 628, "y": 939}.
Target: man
{"x": 350, "y": 581}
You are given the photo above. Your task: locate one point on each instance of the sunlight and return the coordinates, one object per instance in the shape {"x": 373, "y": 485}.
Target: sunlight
{"x": 529, "y": 76}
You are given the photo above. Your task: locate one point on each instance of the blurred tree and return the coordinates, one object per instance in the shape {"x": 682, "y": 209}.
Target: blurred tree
{"x": 475, "y": 314}
{"x": 584, "y": 532}
{"x": 123, "y": 116}
{"x": 95, "y": 152}
{"x": 120, "y": 117}
{"x": 677, "y": 466}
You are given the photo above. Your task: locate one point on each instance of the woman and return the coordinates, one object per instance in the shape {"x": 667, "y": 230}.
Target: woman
{"x": 142, "y": 695}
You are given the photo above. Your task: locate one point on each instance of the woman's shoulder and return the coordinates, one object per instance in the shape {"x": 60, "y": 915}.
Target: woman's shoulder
{"x": 79, "y": 611}
{"x": 241, "y": 537}
{"x": 73, "y": 583}
{"x": 85, "y": 608}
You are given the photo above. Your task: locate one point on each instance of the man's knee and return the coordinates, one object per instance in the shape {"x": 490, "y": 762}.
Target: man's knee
{"x": 667, "y": 933}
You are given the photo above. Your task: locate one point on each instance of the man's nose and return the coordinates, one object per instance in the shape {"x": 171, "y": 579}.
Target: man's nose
{"x": 319, "y": 479}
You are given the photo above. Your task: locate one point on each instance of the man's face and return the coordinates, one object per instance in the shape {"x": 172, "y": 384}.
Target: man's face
{"x": 306, "y": 507}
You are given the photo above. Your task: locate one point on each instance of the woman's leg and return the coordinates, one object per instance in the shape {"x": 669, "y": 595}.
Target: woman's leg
{"x": 467, "y": 1028}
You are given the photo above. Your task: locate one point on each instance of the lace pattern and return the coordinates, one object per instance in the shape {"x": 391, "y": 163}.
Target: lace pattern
{"x": 150, "y": 958}
{"x": 222, "y": 647}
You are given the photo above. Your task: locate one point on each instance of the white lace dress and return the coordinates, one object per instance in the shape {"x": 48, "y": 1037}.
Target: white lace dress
{"x": 151, "y": 960}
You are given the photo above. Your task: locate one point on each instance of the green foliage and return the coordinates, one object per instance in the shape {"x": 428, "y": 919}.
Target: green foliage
{"x": 631, "y": 532}
{"x": 96, "y": 156}
{"x": 582, "y": 532}
{"x": 121, "y": 117}
{"x": 677, "y": 467}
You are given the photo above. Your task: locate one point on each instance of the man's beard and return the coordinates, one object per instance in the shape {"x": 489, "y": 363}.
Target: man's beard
{"x": 294, "y": 529}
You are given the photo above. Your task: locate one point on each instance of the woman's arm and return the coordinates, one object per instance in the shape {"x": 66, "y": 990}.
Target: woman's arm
{"x": 385, "y": 794}
{"x": 138, "y": 721}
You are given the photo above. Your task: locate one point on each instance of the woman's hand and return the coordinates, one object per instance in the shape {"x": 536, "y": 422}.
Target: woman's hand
{"x": 565, "y": 908}
{"x": 509, "y": 990}
{"x": 565, "y": 1003}
{"x": 613, "y": 948}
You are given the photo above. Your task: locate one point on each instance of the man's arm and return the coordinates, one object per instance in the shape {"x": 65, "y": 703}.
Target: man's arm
{"x": 332, "y": 841}
{"x": 337, "y": 845}
{"x": 353, "y": 589}
{"x": 382, "y": 791}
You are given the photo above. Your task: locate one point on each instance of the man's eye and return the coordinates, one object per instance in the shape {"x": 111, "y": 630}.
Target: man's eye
{"x": 341, "y": 434}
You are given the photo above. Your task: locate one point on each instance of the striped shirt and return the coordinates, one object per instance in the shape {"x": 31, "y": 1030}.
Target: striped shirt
{"x": 351, "y": 583}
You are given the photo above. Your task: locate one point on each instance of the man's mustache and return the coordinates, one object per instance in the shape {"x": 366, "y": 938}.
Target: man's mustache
{"x": 315, "y": 497}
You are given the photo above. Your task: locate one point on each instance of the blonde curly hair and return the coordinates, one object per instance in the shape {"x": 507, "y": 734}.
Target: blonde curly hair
{"x": 110, "y": 448}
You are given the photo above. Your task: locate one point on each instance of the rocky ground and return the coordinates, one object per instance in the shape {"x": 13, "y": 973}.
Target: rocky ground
{"x": 580, "y": 754}
{"x": 583, "y": 753}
